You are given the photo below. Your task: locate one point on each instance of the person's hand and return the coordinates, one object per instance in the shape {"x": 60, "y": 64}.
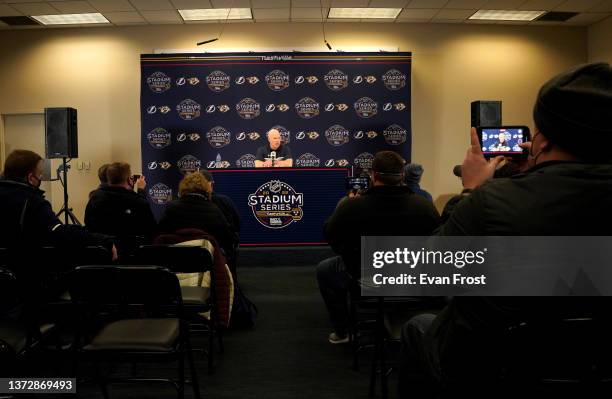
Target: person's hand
{"x": 476, "y": 170}
{"x": 267, "y": 163}
{"x": 525, "y": 163}
{"x": 114, "y": 253}
{"x": 141, "y": 183}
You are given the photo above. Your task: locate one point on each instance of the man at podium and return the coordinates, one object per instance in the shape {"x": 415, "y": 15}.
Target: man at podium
{"x": 275, "y": 154}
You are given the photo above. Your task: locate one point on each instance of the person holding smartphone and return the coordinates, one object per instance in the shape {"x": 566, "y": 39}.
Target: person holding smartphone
{"x": 117, "y": 210}
{"x": 564, "y": 190}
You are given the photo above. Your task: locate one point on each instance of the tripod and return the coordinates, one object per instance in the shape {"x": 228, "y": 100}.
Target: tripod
{"x": 62, "y": 170}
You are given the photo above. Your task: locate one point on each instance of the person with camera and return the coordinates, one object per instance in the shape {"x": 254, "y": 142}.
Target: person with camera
{"x": 565, "y": 190}
{"x": 387, "y": 208}
{"x": 117, "y": 210}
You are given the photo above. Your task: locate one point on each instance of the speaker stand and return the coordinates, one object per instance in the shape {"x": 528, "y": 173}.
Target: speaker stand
{"x": 69, "y": 216}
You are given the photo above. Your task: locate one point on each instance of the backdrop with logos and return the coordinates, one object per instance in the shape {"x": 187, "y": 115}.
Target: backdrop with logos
{"x": 213, "y": 111}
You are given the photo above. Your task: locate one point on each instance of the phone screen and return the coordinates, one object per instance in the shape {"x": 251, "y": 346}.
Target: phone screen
{"x": 503, "y": 141}
{"x": 357, "y": 183}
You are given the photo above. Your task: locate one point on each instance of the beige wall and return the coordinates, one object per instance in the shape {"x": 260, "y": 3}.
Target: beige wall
{"x": 97, "y": 71}
{"x": 600, "y": 39}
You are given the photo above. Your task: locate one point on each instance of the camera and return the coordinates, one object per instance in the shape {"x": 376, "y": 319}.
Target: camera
{"x": 503, "y": 140}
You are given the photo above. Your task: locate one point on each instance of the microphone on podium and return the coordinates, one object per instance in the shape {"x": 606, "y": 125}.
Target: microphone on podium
{"x": 273, "y": 157}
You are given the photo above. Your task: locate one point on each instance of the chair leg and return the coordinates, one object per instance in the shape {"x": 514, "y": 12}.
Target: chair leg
{"x": 192, "y": 369}
{"x": 101, "y": 381}
{"x": 383, "y": 369}
{"x": 181, "y": 376}
{"x": 211, "y": 349}
{"x": 220, "y": 340}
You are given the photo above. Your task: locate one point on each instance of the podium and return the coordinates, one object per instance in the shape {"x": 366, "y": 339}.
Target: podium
{"x": 282, "y": 206}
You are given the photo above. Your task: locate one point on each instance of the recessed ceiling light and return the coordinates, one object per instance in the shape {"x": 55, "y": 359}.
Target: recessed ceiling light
{"x": 363, "y": 13}
{"x": 71, "y": 19}
{"x": 506, "y": 15}
{"x": 204, "y": 14}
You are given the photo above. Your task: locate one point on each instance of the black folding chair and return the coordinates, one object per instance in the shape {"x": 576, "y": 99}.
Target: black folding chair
{"x": 196, "y": 299}
{"x": 21, "y": 332}
{"x": 124, "y": 317}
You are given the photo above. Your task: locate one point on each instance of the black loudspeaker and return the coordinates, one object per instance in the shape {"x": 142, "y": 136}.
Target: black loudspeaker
{"x": 61, "y": 133}
{"x": 486, "y": 113}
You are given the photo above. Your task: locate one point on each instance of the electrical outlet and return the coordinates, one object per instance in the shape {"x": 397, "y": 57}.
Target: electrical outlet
{"x": 79, "y": 165}
{"x": 87, "y": 165}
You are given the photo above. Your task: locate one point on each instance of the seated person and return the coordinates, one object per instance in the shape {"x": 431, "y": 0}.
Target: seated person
{"x": 28, "y": 220}
{"x": 275, "y": 154}
{"x": 224, "y": 203}
{"x": 194, "y": 209}
{"x": 115, "y": 209}
{"x": 412, "y": 177}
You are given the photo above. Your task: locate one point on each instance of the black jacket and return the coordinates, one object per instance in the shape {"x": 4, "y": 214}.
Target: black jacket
{"x": 380, "y": 211}
{"x": 552, "y": 199}
{"x": 229, "y": 210}
{"x": 28, "y": 221}
{"x": 121, "y": 213}
{"x": 197, "y": 211}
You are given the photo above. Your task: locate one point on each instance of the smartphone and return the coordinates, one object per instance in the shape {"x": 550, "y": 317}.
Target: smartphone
{"x": 357, "y": 183}
{"x": 503, "y": 140}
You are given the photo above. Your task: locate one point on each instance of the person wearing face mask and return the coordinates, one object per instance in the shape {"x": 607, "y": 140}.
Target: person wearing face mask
{"x": 117, "y": 210}
{"x": 28, "y": 220}
{"x": 564, "y": 189}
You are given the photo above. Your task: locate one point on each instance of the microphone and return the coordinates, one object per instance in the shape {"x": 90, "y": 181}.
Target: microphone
{"x": 457, "y": 170}
{"x": 273, "y": 157}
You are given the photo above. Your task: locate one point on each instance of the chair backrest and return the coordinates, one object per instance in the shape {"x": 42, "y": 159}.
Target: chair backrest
{"x": 52, "y": 259}
{"x": 563, "y": 350}
{"x": 179, "y": 259}
{"x": 9, "y": 291}
{"x": 123, "y": 286}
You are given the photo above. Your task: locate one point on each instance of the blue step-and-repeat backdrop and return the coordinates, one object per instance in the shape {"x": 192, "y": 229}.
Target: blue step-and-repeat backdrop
{"x": 212, "y": 111}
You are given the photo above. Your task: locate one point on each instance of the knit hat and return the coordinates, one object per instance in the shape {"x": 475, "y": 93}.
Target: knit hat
{"x": 412, "y": 173}
{"x": 574, "y": 111}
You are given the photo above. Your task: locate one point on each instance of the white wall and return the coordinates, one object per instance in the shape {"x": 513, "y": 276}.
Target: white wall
{"x": 600, "y": 41}
{"x": 97, "y": 71}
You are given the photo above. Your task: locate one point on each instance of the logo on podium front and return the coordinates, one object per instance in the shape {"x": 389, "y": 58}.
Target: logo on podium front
{"x": 275, "y": 204}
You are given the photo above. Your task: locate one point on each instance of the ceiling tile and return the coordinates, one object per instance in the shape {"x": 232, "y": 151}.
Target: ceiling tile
{"x": 111, "y": 5}
{"x": 271, "y": 3}
{"x": 35, "y": 8}
{"x": 466, "y": 4}
{"x": 588, "y": 18}
{"x": 502, "y": 4}
{"x": 305, "y": 20}
{"x": 124, "y": 17}
{"x": 162, "y": 16}
{"x": 388, "y": 3}
{"x": 350, "y": 3}
{"x": 309, "y": 3}
{"x": 426, "y": 3}
{"x": 272, "y": 14}
{"x": 231, "y": 3}
{"x": 8, "y": 11}
{"x": 308, "y": 13}
{"x": 537, "y": 5}
{"x": 73, "y": 7}
{"x": 191, "y": 4}
{"x": 603, "y": 6}
{"x": 418, "y": 13}
{"x": 152, "y": 4}
{"x": 577, "y": 5}
{"x": 449, "y": 14}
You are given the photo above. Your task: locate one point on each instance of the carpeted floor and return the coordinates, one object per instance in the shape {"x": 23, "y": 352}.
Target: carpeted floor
{"x": 285, "y": 356}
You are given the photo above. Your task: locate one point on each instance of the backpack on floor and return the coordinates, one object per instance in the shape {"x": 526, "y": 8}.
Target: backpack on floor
{"x": 244, "y": 312}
